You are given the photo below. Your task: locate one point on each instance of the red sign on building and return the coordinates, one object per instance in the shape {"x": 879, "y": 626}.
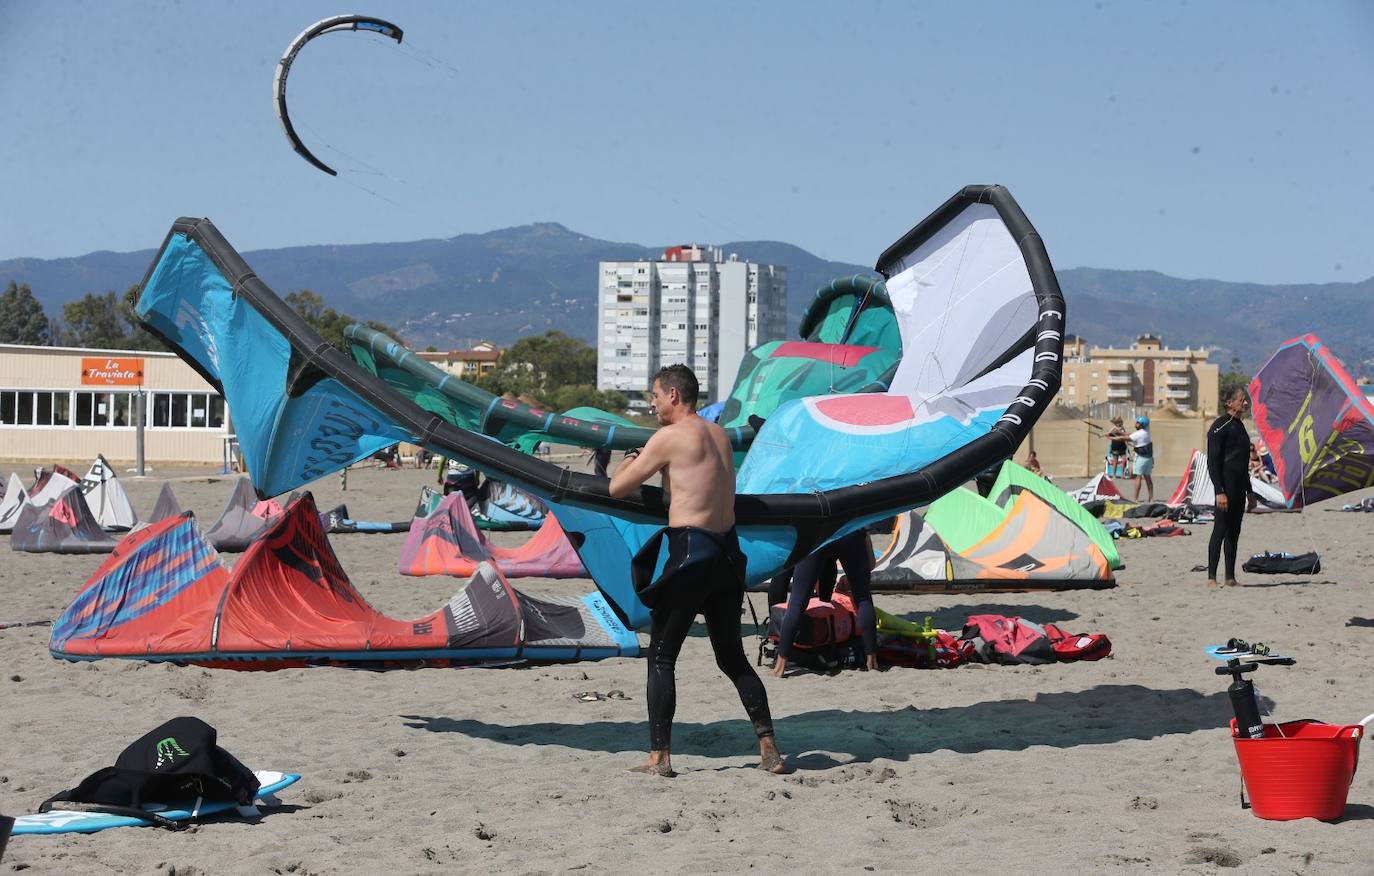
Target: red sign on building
{"x": 108, "y": 371}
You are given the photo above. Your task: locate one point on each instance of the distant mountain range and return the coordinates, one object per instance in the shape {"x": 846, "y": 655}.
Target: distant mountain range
{"x": 516, "y": 281}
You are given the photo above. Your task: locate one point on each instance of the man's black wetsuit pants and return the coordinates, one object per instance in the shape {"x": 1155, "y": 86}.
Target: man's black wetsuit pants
{"x": 716, "y": 594}
{"x": 1226, "y": 525}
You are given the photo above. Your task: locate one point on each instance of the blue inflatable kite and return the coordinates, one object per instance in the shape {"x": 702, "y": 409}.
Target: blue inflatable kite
{"x": 981, "y": 319}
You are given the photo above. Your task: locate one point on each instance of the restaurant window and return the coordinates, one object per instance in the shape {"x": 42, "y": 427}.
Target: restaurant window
{"x": 162, "y": 409}
{"x": 26, "y": 407}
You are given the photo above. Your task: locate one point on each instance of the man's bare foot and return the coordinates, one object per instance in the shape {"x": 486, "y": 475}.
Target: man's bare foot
{"x": 779, "y": 667}
{"x": 873, "y": 663}
{"x": 1211, "y": 584}
{"x": 1232, "y": 582}
{"x": 660, "y": 763}
{"x": 769, "y": 759}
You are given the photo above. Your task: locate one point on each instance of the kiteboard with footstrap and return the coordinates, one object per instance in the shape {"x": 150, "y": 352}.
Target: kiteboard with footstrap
{"x": 80, "y": 821}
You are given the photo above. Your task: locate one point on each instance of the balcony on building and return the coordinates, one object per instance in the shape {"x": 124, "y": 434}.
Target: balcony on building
{"x": 1179, "y": 394}
{"x": 1119, "y": 378}
{"x": 1119, "y": 394}
{"x": 1179, "y": 381}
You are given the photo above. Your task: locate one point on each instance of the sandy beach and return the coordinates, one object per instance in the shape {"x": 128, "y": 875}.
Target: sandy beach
{"x": 1122, "y": 765}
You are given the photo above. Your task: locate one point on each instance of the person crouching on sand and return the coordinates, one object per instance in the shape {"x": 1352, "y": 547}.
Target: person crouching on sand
{"x": 704, "y": 573}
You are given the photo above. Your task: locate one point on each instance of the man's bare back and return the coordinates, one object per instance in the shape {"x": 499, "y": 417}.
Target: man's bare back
{"x": 698, "y": 471}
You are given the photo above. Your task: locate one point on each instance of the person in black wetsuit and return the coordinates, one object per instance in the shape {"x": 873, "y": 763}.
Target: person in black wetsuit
{"x": 704, "y": 571}
{"x": 817, "y": 572}
{"x": 1228, "y": 464}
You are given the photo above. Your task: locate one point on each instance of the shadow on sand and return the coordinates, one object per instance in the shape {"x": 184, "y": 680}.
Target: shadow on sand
{"x": 1252, "y": 584}
{"x": 1098, "y": 716}
{"x": 953, "y": 617}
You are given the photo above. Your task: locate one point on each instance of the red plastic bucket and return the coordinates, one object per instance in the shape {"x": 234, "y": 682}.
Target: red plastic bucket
{"x": 1300, "y": 769}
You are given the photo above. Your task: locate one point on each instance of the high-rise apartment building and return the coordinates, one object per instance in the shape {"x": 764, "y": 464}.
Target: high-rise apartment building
{"x": 691, "y": 306}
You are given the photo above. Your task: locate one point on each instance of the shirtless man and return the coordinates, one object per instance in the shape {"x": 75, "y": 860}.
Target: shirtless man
{"x": 704, "y": 573}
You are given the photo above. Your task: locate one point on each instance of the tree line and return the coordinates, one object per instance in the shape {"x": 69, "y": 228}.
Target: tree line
{"x": 555, "y": 369}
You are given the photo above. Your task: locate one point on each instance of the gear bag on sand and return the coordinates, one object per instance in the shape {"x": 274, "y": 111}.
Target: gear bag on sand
{"x": 1000, "y": 639}
{"x": 178, "y": 760}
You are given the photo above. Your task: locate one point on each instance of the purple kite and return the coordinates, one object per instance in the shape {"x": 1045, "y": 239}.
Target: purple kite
{"x": 1316, "y": 421}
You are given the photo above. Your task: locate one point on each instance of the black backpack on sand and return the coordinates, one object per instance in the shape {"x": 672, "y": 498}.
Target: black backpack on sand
{"x": 176, "y": 761}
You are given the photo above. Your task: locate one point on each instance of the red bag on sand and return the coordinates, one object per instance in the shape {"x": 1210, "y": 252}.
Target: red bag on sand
{"x": 1069, "y": 648}
{"x": 824, "y": 623}
{"x": 1164, "y": 528}
{"x": 1000, "y": 639}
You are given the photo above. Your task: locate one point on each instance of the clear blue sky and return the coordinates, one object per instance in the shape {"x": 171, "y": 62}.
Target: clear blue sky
{"x": 1204, "y": 139}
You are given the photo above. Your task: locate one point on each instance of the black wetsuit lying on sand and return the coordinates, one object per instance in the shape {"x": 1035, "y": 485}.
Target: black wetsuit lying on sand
{"x": 704, "y": 575}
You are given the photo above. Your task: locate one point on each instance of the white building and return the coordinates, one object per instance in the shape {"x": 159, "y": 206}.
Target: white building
{"x": 64, "y": 404}
{"x": 691, "y": 307}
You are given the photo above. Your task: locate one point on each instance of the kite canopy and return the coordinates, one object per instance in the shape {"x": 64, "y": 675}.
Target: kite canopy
{"x": 65, "y": 526}
{"x": 507, "y": 507}
{"x": 166, "y": 504}
{"x": 850, "y": 343}
{"x": 1316, "y": 422}
{"x": 447, "y": 542}
{"x": 510, "y": 421}
{"x": 106, "y": 497}
{"x": 16, "y": 497}
{"x": 1028, "y": 546}
{"x": 1100, "y": 487}
{"x": 981, "y": 319}
{"x": 335, "y": 24}
{"x": 1195, "y": 488}
{"x": 243, "y": 519}
{"x": 164, "y": 595}
{"x": 1013, "y": 479}
{"x": 51, "y": 484}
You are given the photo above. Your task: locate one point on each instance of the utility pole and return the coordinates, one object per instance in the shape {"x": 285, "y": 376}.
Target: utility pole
{"x": 141, "y": 409}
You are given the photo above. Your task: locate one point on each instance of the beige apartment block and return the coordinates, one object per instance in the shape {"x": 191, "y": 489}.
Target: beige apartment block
{"x": 466, "y": 364}
{"x": 1147, "y": 375}
{"x": 65, "y": 404}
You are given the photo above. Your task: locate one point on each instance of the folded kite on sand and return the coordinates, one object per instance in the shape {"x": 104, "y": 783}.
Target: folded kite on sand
{"x": 106, "y": 497}
{"x": 243, "y": 519}
{"x": 66, "y": 526}
{"x": 164, "y": 595}
{"x": 15, "y": 498}
{"x": 448, "y": 542}
{"x": 1025, "y": 546}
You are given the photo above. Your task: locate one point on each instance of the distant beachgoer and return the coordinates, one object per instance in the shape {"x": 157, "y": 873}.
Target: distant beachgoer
{"x": 1258, "y": 471}
{"x": 817, "y": 574}
{"x": 1228, "y": 464}
{"x": 704, "y": 573}
{"x": 1116, "y": 451}
{"x": 1143, "y": 464}
{"x": 1033, "y": 464}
